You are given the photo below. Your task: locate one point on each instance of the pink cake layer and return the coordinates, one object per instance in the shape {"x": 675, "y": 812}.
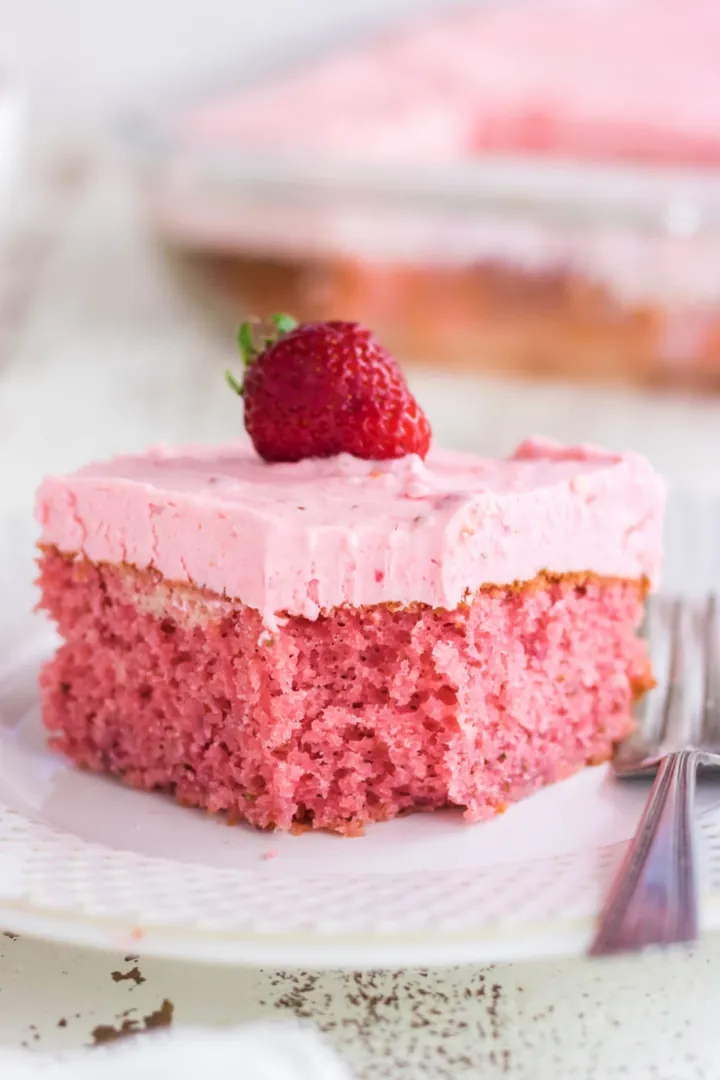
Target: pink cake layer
{"x": 617, "y": 79}
{"x": 308, "y": 537}
{"x": 355, "y": 716}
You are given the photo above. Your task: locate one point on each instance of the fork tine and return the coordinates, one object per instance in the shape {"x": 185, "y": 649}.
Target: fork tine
{"x": 695, "y": 685}
{"x": 676, "y": 719}
{"x": 711, "y": 683}
{"x": 657, "y": 631}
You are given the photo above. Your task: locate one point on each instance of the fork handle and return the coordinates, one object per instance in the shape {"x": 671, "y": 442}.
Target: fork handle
{"x": 653, "y": 900}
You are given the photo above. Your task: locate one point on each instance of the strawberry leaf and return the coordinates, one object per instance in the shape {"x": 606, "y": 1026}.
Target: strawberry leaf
{"x": 284, "y": 323}
{"x": 233, "y": 383}
{"x": 248, "y": 352}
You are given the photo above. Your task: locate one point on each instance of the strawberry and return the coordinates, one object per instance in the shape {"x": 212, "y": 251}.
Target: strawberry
{"x": 325, "y": 388}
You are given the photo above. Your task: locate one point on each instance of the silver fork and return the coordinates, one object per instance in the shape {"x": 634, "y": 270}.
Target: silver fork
{"x": 653, "y": 900}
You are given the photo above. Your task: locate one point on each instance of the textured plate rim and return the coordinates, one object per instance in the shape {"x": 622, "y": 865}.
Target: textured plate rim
{"x": 495, "y": 943}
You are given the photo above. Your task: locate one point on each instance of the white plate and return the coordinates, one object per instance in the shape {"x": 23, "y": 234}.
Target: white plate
{"x": 83, "y": 859}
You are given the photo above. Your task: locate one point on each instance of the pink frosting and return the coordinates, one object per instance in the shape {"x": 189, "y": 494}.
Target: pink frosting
{"x": 632, "y": 79}
{"x": 307, "y": 537}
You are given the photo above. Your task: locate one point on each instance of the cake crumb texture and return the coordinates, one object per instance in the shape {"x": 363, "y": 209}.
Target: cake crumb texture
{"x": 355, "y": 717}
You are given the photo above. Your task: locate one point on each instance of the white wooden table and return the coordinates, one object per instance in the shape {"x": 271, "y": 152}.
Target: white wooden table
{"x": 551, "y": 1021}
{"x": 101, "y": 352}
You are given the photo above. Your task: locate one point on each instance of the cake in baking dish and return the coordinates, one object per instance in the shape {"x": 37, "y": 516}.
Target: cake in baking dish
{"x": 464, "y": 207}
{"x": 336, "y": 640}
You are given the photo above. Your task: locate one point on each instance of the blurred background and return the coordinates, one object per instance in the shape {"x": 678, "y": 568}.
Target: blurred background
{"x": 522, "y": 197}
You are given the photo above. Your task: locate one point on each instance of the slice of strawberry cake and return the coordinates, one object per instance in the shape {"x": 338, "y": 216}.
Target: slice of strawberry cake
{"x": 352, "y": 625}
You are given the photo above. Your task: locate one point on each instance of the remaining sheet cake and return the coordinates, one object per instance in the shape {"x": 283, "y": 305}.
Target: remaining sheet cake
{"x": 574, "y": 273}
{"x": 633, "y": 80}
{"x": 336, "y": 640}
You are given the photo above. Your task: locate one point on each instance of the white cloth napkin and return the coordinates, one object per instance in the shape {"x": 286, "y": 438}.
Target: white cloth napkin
{"x": 262, "y": 1051}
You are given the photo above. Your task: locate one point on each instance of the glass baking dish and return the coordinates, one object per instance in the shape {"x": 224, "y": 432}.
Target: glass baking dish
{"x": 519, "y": 263}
